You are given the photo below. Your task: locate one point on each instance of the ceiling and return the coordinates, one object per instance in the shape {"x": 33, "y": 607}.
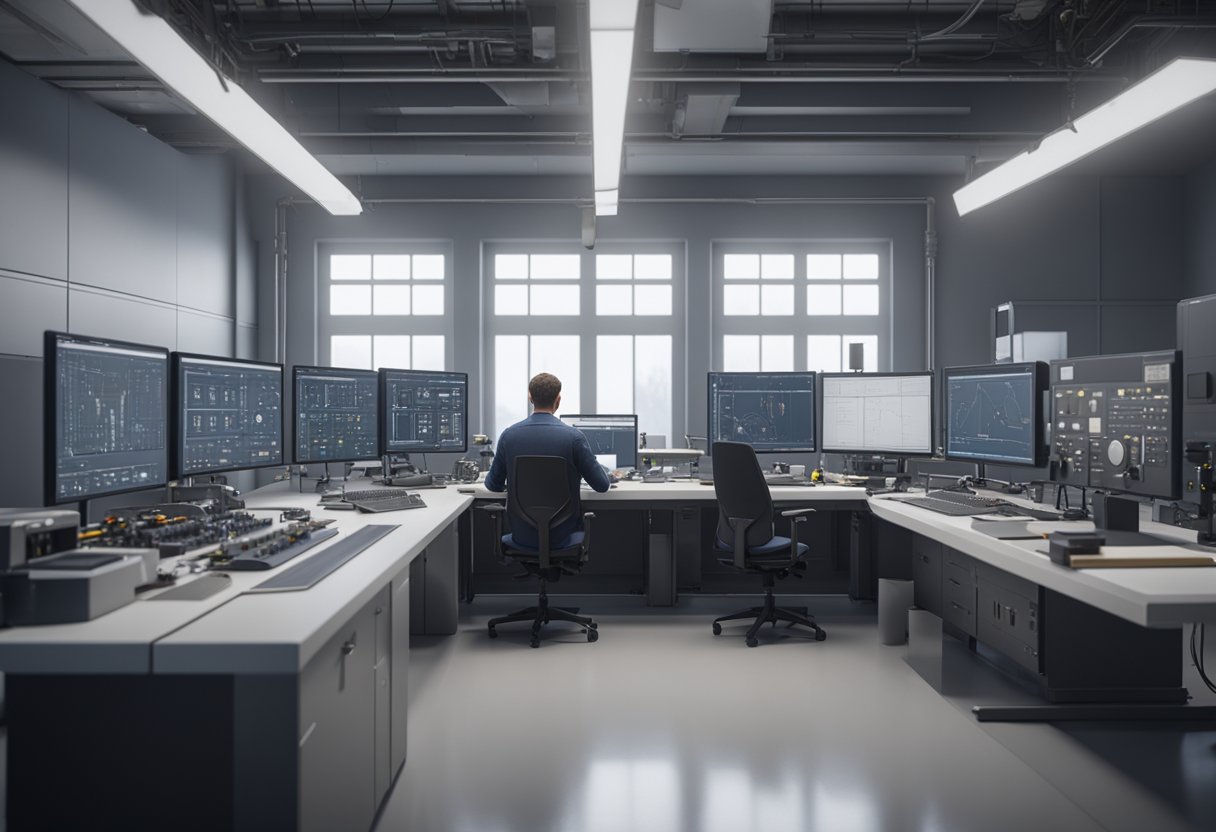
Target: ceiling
{"x": 720, "y": 87}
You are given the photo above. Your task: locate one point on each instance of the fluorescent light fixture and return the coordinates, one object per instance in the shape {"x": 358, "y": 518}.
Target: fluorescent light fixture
{"x": 612, "y": 24}
{"x": 1174, "y": 85}
{"x": 163, "y": 52}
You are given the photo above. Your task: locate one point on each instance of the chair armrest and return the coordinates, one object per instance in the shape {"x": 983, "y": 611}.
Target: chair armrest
{"x": 588, "y": 516}
{"x": 496, "y": 512}
{"x": 797, "y": 512}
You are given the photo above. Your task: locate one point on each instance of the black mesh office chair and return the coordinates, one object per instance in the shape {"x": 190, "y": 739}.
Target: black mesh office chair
{"x": 745, "y": 538}
{"x": 538, "y": 495}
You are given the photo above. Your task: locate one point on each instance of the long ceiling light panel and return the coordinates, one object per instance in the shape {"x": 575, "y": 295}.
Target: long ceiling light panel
{"x": 1174, "y": 85}
{"x": 612, "y": 25}
{"x": 162, "y": 51}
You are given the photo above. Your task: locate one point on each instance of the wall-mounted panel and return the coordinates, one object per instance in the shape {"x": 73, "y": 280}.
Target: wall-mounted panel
{"x": 21, "y": 425}
{"x": 29, "y": 308}
{"x": 204, "y": 234}
{"x": 33, "y": 176}
{"x": 122, "y": 207}
{"x": 204, "y": 334}
{"x": 114, "y": 316}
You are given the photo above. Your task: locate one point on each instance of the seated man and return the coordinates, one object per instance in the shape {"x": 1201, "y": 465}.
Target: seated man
{"x": 543, "y": 434}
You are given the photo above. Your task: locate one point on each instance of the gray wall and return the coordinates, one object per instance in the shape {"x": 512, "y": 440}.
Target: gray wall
{"x": 106, "y": 231}
{"x": 1201, "y": 231}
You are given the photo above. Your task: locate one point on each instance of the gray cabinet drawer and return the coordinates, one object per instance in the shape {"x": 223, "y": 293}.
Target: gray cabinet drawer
{"x": 958, "y": 604}
{"x": 927, "y": 574}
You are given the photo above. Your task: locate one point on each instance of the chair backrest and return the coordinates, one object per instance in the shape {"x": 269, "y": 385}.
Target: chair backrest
{"x": 538, "y": 494}
{"x": 742, "y": 492}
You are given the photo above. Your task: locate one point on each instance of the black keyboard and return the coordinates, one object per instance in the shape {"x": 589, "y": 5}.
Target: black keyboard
{"x": 958, "y": 503}
{"x": 398, "y": 502}
{"x": 322, "y": 564}
{"x": 365, "y": 494}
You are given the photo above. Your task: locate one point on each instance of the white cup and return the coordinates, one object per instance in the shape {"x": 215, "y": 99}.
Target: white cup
{"x": 797, "y": 470}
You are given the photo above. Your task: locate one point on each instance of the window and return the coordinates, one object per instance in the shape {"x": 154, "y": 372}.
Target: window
{"x": 536, "y": 284}
{"x": 385, "y": 305}
{"x": 771, "y": 298}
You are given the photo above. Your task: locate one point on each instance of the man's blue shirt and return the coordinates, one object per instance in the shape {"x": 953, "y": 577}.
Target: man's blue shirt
{"x": 543, "y": 434}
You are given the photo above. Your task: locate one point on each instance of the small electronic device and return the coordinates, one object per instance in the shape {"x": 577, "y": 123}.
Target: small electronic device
{"x": 772, "y": 412}
{"x": 168, "y": 533}
{"x": 29, "y": 534}
{"x": 994, "y": 414}
{"x": 336, "y": 414}
{"x": 613, "y": 438}
{"x": 877, "y": 413}
{"x": 423, "y": 411}
{"x": 107, "y": 419}
{"x": 271, "y": 548}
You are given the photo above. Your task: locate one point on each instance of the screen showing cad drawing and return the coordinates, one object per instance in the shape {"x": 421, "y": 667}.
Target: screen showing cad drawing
{"x": 878, "y": 414}
{"x": 111, "y": 418}
{"x": 612, "y": 439}
{"x": 231, "y": 415}
{"x": 769, "y": 411}
{"x": 425, "y": 411}
{"x": 336, "y": 414}
{"x": 991, "y": 417}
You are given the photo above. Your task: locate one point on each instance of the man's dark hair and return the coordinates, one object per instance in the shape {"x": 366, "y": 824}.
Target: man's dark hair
{"x": 544, "y": 389}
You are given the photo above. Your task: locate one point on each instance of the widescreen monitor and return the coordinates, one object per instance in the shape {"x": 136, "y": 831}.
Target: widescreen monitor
{"x": 336, "y": 414}
{"x": 424, "y": 411}
{"x": 772, "y": 412}
{"x": 106, "y": 415}
{"x": 877, "y": 413}
{"x": 994, "y": 414}
{"x": 613, "y": 438}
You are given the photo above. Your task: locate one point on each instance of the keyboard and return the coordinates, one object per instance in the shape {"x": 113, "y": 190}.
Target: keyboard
{"x": 312, "y": 571}
{"x": 958, "y": 503}
{"x": 365, "y": 494}
{"x": 397, "y": 502}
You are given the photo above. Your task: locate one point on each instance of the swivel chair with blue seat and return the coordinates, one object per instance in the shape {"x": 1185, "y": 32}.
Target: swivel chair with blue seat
{"x": 538, "y": 497}
{"x": 745, "y": 537}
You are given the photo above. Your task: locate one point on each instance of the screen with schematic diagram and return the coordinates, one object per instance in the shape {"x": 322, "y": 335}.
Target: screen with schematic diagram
{"x": 228, "y": 415}
{"x": 107, "y": 417}
{"x": 1116, "y": 422}
{"x": 613, "y": 438}
{"x": 879, "y": 413}
{"x": 424, "y": 410}
{"x": 336, "y": 414}
{"x": 994, "y": 414}
{"x": 772, "y": 412}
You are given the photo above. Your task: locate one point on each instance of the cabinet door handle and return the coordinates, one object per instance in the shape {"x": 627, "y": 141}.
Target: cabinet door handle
{"x": 951, "y": 580}
{"x": 348, "y": 648}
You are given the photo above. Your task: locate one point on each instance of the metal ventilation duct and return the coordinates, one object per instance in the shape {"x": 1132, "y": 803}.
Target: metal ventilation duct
{"x": 712, "y": 25}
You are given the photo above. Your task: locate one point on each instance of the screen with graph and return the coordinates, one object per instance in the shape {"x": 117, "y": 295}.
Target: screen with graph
{"x": 995, "y": 413}
{"x": 878, "y": 413}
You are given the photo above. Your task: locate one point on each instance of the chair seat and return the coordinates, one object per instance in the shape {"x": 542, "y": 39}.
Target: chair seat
{"x": 572, "y": 548}
{"x": 775, "y": 551}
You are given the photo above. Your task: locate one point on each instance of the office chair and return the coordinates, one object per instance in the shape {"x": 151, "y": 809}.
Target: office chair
{"x": 539, "y": 496}
{"x": 745, "y": 539}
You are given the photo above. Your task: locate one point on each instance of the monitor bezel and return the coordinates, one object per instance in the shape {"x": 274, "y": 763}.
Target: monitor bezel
{"x": 1040, "y": 372}
{"x": 885, "y": 451}
{"x": 709, "y": 398}
{"x": 175, "y": 404}
{"x": 382, "y": 393}
{"x": 632, "y": 416}
{"x": 295, "y": 392}
{"x": 50, "y": 414}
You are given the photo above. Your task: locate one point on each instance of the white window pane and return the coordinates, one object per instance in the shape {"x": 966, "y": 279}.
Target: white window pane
{"x": 741, "y": 300}
{"x": 391, "y": 351}
{"x": 777, "y": 353}
{"x": 823, "y": 299}
{"x": 510, "y": 267}
{"x": 652, "y": 384}
{"x": 350, "y": 267}
{"x": 869, "y": 343}
{"x": 741, "y": 353}
{"x": 652, "y": 299}
{"x": 350, "y": 300}
{"x": 777, "y": 300}
{"x": 428, "y": 300}
{"x": 614, "y": 300}
{"x": 652, "y": 267}
{"x": 614, "y": 374}
{"x": 510, "y": 380}
{"x": 511, "y": 299}
{"x": 353, "y": 351}
{"x": 429, "y": 353}
{"x": 741, "y": 266}
{"x": 554, "y": 300}
{"x": 391, "y": 266}
{"x": 391, "y": 300}
{"x": 559, "y": 355}
{"x": 823, "y": 266}
{"x": 861, "y": 300}
{"x": 555, "y": 266}
{"x": 613, "y": 266}
{"x": 861, "y": 267}
{"x": 428, "y": 267}
{"x": 777, "y": 266}
{"x": 823, "y": 353}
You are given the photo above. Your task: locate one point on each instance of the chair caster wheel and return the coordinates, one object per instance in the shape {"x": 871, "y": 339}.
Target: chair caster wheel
{"x": 593, "y": 625}
{"x": 493, "y": 633}
{"x": 752, "y": 642}
{"x": 717, "y": 629}
{"x": 820, "y": 635}
{"x": 593, "y": 635}
{"x": 535, "y": 642}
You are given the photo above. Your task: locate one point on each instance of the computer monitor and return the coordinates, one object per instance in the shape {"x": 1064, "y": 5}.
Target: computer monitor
{"x": 877, "y": 413}
{"x": 772, "y": 412}
{"x": 336, "y": 414}
{"x": 613, "y": 438}
{"x": 227, "y": 415}
{"x": 107, "y": 417}
{"x": 424, "y": 410}
{"x": 994, "y": 414}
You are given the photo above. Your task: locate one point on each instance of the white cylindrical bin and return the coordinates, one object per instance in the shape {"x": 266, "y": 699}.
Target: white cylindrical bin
{"x": 894, "y": 598}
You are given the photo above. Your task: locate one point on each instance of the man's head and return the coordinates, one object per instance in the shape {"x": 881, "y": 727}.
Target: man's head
{"x": 545, "y": 392}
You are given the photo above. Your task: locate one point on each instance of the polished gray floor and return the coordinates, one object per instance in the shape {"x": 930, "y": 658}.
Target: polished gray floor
{"x": 660, "y": 726}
